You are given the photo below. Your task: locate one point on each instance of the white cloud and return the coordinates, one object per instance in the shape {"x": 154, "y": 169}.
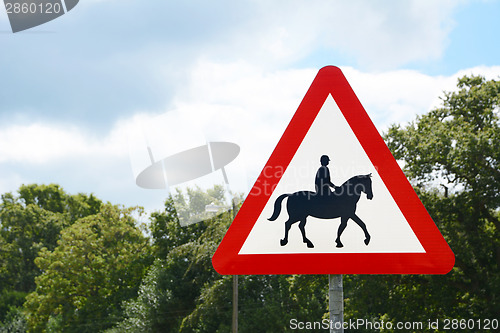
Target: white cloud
{"x": 382, "y": 34}
{"x": 250, "y": 106}
{"x": 240, "y": 84}
{"x": 38, "y": 143}
{"x": 143, "y": 64}
{"x": 236, "y": 102}
{"x": 378, "y": 34}
{"x": 398, "y": 96}
{"x": 77, "y": 160}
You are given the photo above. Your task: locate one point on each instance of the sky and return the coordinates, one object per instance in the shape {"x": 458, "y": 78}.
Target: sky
{"x": 83, "y": 97}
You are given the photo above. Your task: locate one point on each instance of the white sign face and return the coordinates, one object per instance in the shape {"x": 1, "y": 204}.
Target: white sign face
{"x": 331, "y": 135}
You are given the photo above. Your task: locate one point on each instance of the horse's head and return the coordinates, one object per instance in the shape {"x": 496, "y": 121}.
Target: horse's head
{"x": 368, "y": 187}
{"x": 364, "y": 184}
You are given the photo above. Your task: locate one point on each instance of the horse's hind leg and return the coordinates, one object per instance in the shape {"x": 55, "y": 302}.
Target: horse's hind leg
{"x": 343, "y": 224}
{"x": 302, "y": 227}
{"x": 356, "y": 219}
{"x": 288, "y": 225}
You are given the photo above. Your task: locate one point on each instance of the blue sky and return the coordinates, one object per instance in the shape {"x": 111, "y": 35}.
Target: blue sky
{"x": 81, "y": 97}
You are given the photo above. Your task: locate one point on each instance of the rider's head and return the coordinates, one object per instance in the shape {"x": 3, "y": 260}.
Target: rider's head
{"x": 324, "y": 160}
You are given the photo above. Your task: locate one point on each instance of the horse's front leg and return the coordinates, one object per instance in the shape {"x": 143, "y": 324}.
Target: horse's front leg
{"x": 356, "y": 219}
{"x": 302, "y": 227}
{"x": 343, "y": 225}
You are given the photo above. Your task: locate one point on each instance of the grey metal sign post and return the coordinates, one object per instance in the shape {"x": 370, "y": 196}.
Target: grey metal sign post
{"x": 235, "y": 282}
{"x": 336, "y": 303}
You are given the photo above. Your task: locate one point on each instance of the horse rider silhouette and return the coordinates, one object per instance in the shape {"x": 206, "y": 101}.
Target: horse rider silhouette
{"x": 322, "y": 181}
{"x": 327, "y": 205}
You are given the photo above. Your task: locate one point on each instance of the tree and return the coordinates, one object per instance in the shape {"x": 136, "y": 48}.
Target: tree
{"x": 267, "y": 303}
{"x": 29, "y": 222}
{"x": 183, "y": 293}
{"x": 452, "y": 156}
{"x": 166, "y": 230}
{"x": 182, "y": 267}
{"x": 98, "y": 263}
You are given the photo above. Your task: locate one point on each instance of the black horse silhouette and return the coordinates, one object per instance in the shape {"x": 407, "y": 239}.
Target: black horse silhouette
{"x": 341, "y": 203}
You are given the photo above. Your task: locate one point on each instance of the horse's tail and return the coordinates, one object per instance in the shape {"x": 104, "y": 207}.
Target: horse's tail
{"x": 277, "y": 207}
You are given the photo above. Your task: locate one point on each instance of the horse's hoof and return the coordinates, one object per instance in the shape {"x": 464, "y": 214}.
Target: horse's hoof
{"x": 283, "y": 242}
{"x": 309, "y": 244}
{"x": 367, "y": 240}
{"x": 339, "y": 244}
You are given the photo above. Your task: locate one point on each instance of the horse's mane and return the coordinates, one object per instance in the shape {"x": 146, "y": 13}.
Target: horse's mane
{"x": 354, "y": 178}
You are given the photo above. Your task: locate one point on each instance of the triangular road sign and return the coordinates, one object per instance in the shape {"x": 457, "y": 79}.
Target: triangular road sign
{"x": 392, "y": 233}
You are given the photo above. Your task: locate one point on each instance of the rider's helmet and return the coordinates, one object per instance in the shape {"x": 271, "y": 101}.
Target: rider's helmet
{"x": 324, "y": 160}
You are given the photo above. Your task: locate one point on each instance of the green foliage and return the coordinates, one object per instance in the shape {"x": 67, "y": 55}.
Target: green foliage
{"x": 29, "y": 222}
{"x": 166, "y": 228}
{"x": 459, "y": 142}
{"x": 190, "y": 206}
{"x": 451, "y": 154}
{"x": 10, "y": 302}
{"x": 97, "y": 264}
{"x": 96, "y": 271}
{"x": 266, "y": 303}
{"x": 183, "y": 293}
{"x": 15, "y": 322}
{"x": 182, "y": 268}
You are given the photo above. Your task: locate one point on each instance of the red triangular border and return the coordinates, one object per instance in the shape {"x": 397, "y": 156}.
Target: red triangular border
{"x": 438, "y": 257}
